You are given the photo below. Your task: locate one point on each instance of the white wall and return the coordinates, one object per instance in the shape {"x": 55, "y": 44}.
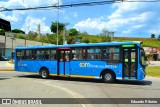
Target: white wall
{"x": 19, "y": 42}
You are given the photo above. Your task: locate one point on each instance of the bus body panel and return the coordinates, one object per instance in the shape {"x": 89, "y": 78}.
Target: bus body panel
{"x": 35, "y": 66}
{"x": 67, "y": 68}
{"x": 94, "y": 68}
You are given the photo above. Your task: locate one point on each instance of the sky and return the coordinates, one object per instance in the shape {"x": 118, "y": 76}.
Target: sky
{"x": 126, "y": 19}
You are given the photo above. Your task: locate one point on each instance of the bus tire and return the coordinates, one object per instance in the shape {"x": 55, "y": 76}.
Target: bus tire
{"x": 108, "y": 77}
{"x": 44, "y": 73}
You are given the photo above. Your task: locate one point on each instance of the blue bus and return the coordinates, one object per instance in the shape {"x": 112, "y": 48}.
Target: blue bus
{"x": 108, "y": 61}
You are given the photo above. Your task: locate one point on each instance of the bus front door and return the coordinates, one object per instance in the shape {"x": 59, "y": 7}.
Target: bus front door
{"x": 63, "y": 62}
{"x": 130, "y": 63}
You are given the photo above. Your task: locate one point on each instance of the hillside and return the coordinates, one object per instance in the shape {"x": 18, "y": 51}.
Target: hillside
{"x": 147, "y": 42}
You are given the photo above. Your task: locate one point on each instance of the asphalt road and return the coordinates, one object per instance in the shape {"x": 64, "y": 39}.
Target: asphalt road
{"x": 22, "y": 85}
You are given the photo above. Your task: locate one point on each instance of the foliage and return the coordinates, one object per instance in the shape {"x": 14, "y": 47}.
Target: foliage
{"x": 80, "y": 37}
{"x": 147, "y": 42}
{"x": 19, "y": 36}
{"x": 70, "y": 40}
{"x": 2, "y": 32}
{"x": 159, "y": 37}
{"x": 60, "y": 42}
{"x": 32, "y": 35}
{"x": 85, "y": 40}
{"x": 18, "y": 31}
{"x": 152, "y": 35}
{"x": 51, "y": 38}
{"x": 105, "y": 39}
{"x": 94, "y": 41}
{"x": 53, "y": 26}
{"x": 73, "y": 32}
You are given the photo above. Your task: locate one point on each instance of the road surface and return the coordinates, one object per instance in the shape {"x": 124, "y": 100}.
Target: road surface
{"x": 23, "y": 85}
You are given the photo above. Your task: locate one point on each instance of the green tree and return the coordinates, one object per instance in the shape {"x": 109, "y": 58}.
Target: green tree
{"x": 73, "y": 32}
{"x": 53, "y": 26}
{"x": 152, "y": 35}
{"x": 94, "y": 41}
{"x": 18, "y": 31}
{"x": 105, "y": 39}
{"x": 60, "y": 42}
{"x": 70, "y": 39}
{"x": 2, "y": 32}
{"x": 85, "y": 40}
{"x": 31, "y": 35}
{"x": 51, "y": 38}
{"x": 159, "y": 37}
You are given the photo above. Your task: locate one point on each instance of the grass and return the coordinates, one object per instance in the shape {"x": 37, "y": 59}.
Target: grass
{"x": 147, "y": 42}
{"x": 153, "y": 71}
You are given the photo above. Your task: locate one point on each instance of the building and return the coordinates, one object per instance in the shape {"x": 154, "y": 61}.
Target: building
{"x": 8, "y": 44}
{"x": 153, "y": 52}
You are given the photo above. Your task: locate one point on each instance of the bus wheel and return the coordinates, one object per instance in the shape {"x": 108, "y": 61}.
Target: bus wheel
{"x": 44, "y": 73}
{"x": 108, "y": 77}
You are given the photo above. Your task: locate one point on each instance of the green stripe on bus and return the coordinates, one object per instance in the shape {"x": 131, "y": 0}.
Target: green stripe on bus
{"x": 127, "y": 45}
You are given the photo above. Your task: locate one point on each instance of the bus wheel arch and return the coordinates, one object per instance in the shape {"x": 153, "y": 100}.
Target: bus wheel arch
{"x": 44, "y": 72}
{"x": 108, "y": 76}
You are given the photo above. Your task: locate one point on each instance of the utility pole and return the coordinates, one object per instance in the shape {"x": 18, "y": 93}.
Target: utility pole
{"x": 64, "y": 33}
{"x": 13, "y": 38}
{"x": 57, "y": 22}
{"x": 4, "y": 52}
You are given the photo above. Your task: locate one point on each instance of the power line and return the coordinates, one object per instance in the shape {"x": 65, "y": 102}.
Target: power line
{"x": 78, "y": 4}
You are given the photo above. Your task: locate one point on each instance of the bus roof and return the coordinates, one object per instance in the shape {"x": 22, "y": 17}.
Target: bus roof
{"x": 83, "y": 44}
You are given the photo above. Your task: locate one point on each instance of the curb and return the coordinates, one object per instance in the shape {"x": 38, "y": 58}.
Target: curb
{"x": 153, "y": 76}
{"x": 3, "y": 70}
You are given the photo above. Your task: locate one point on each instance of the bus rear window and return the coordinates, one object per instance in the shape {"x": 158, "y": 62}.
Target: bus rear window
{"x": 20, "y": 54}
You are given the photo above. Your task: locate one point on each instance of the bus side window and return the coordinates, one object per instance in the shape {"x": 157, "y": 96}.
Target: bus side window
{"x": 83, "y": 54}
{"x": 19, "y": 54}
{"x": 46, "y": 54}
{"x": 28, "y": 54}
{"x": 52, "y": 54}
{"x": 67, "y": 58}
{"x": 38, "y": 54}
{"x": 104, "y": 54}
{"x": 90, "y": 52}
{"x": 23, "y": 55}
{"x": 74, "y": 57}
{"x": 34, "y": 54}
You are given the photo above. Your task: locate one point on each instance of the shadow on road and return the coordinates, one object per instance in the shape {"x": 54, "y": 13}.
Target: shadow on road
{"x": 4, "y": 78}
{"x": 127, "y": 82}
{"x": 134, "y": 82}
